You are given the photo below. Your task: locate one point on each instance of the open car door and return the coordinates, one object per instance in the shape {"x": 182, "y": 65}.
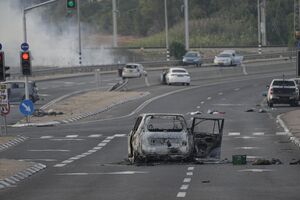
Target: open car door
{"x": 207, "y": 137}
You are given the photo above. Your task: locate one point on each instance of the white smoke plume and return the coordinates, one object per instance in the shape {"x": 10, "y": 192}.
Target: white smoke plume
{"x": 49, "y": 48}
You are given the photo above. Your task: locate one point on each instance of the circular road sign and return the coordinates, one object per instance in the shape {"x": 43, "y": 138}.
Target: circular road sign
{"x": 24, "y": 46}
{"x": 0, "y": 46}
{"x": 26, "y": 107}
{"x": 5, "y": 109}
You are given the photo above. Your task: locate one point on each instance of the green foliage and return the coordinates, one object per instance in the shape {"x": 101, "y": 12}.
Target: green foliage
{"x": 177, "y": 50}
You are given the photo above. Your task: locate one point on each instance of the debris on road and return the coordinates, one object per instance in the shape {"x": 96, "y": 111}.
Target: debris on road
{"x": 273, "y": 161}
{"x": 295, "y": 162}
{"x": 215, "y": 112}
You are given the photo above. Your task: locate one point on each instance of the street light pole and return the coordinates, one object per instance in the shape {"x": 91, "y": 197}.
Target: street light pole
{"x": 79, "y": 32}
{"x": 167, "y": 32}
{"x": 25, "y": 35}
{"x": 259, "y": 26}
{"x": 186, "y": 23}
{"x": 114, "y": 13}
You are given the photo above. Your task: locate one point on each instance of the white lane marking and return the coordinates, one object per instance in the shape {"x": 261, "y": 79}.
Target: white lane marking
{"x": 102, "y": 144}
{"x": 120, "y": 135}
{"x": 236, "y": 89}
{"x": 66, "y": 139}
{"x": 110, "y": 137}
{"x": 67, "y": 161}
{"x": 59, "y": 165}
{"x": 92, "y": 151}
{"x": 71, "y": 136}
{"x": 49, "y": 150}
{"x": 245, "y": 137}
{"x": 184, "y": 187}
{"x": 234, "y": 133}
{"x": 187, "y": 180}
{"x": 282, "y": 133}
{"x": 220, "y": 93}
{"x": 39, "y": 159}
{"x": 209, "y": 98}
{"x": 247, "y": 148}
{"x": 191, "y": 168}
{"x": 254, "y": 157}
{"x": 95, "y": 135}
{"x": 44, "y": 95}
{"x": 258, "y": 133}
{"x": 202, "y": 102}
{"x": 147, "y": 82}
{"x": 189, "y": 173}
{"x": 106, "y": 141}
{"x": 256, "y": 170}
{"x": 97, "y": 148}
{"x": 46, "y": 137}
{"x": 181, "y": 194}
{"x": 104, "y": 173}
{"x": 244, "y": 69}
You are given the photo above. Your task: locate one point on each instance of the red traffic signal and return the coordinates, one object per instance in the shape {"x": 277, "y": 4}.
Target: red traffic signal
{"x": 25, "y": 63}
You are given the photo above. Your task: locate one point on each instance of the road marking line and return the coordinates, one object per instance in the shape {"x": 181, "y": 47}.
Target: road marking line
{"x": 59, "y": 165}
{"x": 67, "y": 161}
{"x": 40, "y": 159}
{"x": 282, "y": 133}
{"x": 106, "y": 141}
{"x": 209, "y": 98}
{"x": 97, "y": 148}
{"x": 258, "y": 133}
{"x": 236, "y": 89}
{"x": 247, "y": 148}
{"x": 187, "y": 180}
{"x": 254, "y": 157}
{"x": 120, "y": 135}
{"x": 245, "y": 137}
{"x": 46, "y": 137}
{"x": 202, "y": 102}
{"x": 49, "y": 150}
{"x": 181, "y": 194}
{"x": 71, "y": 136}
{"x": 191, "y": 168}
{"x": 256, "y": 170}
{"x": 220, "y": 93}
{"x": 66, "y": 139}
{"x": 92, "y": 151}
{"x": 184, "y": 187}
{"x": 102, "y": 144}
{"x": 189, "y": 173}
{"x": 110, "y": 137}
{"x": 234, "y": 133}
{"x": 95, "y": 135}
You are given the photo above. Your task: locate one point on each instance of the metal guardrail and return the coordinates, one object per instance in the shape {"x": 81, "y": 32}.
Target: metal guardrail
{"x": 115, "y": 67}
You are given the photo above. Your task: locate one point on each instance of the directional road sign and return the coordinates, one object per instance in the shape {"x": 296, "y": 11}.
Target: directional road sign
{"x": 24, "y": 46}
{"x": 26, "y": 107}
{"x": 5, "y": 109}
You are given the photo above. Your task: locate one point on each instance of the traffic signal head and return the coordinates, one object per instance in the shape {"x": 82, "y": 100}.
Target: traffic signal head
{"x": 71, "y": 4}
{"x": 3, "y": 68}
{"x": 26, "y": 63}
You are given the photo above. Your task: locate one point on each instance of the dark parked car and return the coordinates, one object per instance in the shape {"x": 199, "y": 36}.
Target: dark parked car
{"x": 192, "y": 58}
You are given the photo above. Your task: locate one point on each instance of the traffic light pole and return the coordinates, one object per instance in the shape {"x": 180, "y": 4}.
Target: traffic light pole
{"x": 79, "y": 32}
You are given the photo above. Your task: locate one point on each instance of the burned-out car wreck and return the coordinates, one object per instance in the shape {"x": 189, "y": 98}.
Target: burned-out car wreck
{"x": 161, "y": 136}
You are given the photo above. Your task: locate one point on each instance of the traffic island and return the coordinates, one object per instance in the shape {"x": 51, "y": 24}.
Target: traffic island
{"x": 80, "y": 106}
{"x": 290, "y": 122}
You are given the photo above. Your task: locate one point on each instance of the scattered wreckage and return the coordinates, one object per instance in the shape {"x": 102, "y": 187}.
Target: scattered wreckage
{"x": 162, "y": 136}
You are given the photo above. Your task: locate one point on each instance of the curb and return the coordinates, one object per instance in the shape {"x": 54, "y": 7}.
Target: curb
{"x": 78, "y": 117}
{"x": 13, "y": 180}
{"x": 12, "y": 143}
{"x": 292, "y": 138}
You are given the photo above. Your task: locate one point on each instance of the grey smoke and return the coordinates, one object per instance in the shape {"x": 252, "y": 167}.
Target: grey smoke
{"x": 48, "y": 46}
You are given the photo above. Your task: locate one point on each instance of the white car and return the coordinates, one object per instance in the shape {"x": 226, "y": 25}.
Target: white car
{"x": 176, "y": 75}
{"x": 227, "y": 58}
{"x": 133, "y": 70}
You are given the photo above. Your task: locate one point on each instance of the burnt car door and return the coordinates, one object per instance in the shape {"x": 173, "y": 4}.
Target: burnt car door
{"x": 207, "y": 135}
{"x": 132, "y": 135}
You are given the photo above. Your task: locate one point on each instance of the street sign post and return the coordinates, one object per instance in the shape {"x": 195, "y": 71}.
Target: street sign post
{"x": 25, "y": 46}
{"x": 26, "y": 107}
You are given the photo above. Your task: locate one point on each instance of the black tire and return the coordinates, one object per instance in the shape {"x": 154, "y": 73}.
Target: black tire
{"x": 187, "y": 84}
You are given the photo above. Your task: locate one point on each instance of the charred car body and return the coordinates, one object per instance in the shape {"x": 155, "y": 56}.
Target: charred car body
{"x": 161, "y": 136}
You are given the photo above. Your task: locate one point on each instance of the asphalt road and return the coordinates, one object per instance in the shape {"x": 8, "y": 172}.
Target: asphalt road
{"x": 86, "y": 160}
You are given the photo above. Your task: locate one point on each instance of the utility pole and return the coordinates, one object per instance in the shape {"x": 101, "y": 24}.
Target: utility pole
{"x": 259, "y": 26}
{"x": 167, "y": 31}
{"x": 79, "y": 32}
{"x": 186, "y": 24}
{"x": 263, "y": 23}
{"x": 114, "y": 13}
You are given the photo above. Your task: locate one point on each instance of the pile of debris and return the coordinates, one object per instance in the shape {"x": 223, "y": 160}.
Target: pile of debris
{"x": 42, "y": 113}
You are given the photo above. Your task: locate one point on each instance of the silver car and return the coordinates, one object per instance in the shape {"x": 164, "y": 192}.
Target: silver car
{"x": 16, "y": 91}
{"x": 133, "y": 70}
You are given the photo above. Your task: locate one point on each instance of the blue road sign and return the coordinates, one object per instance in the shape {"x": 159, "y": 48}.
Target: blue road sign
{"x": 26, "y": 107}
{"x": 24, "y": 46}
{"x": 0, "y": 46}
{"x": 298, "y": 45}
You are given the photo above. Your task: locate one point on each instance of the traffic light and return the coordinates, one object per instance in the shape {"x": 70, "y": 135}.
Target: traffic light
{"x": 25, "y": 63}
{"x": 71, "y": 4}
{"x": 3, "y": 68}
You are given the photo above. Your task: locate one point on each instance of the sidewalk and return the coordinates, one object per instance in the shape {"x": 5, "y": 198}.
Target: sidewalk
{"x": 291, "y": 124}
